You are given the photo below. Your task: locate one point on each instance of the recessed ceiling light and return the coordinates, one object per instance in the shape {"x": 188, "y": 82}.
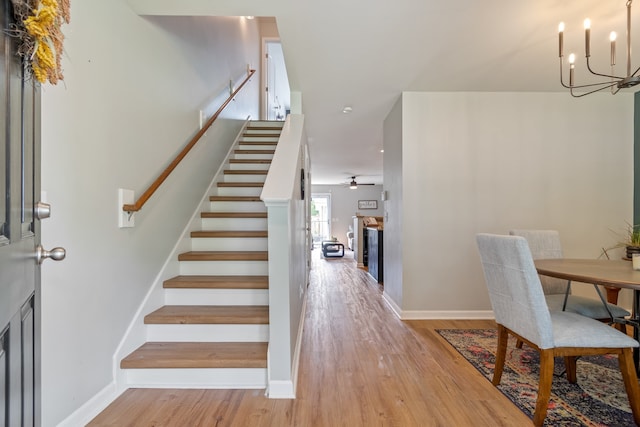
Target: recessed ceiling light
{"x": 347, "y": 110}
{"x": 382, "y": 151}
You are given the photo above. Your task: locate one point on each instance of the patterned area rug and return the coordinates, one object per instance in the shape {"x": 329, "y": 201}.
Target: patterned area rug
{"x": 598, "y": 399}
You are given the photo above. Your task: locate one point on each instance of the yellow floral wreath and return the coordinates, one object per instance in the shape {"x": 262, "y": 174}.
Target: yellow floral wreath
{"x": 44, "y": 38}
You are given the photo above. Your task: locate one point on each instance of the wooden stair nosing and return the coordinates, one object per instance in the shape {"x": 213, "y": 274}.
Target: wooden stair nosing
{"x": 224, "y": 256}
{"x": 254, "y": 151}
{"x": 235, "y": 199}
{"x": 249, "y": 161}
{"x": 260, "y": 135}
{"x": 217, "y": 282}
{"x": 197, "y": 355}
{"x": 209, "y": 315}
{"x": 245, "y": 171}
{"x": 240, "y": 184}
{"x": 270, "y": 143}
{"x": 233, "y": 214}
{"x": 265, "y": 127}
{"x": 229, "y": 234}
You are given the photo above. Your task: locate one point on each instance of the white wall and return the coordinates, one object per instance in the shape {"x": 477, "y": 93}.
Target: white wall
{"x": 288, "y": 255}
{"x": 393, "y": 206}
{"x": 344, "y": 205}
{"x": 133, "y": 87}
{"x": 488, "y": 162}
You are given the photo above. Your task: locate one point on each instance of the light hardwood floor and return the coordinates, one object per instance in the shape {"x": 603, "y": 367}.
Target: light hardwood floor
{"x": 360, "y": 366}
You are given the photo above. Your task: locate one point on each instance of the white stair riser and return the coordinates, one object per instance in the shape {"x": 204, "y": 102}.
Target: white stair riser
{"x": 234, "y": 223}
{"x": 248, "y": 378}
{"x": 229, "y": 244}
{"x": 239, "y": 191}
{"x": 232, "y": 268}
{"x": 245, "y": 178}
{"x": 256, "y": 147}
{"x": 266, "y": 123}
{"x": 273, "y": 131}
{"x": 252, "y": 156}
{"x": 248, "y": 138}
{"x": 221, "y": 206}
{"x": 245, "y": 166}
{"x": 207, "y": 333}
{"x": 216, "y": 297}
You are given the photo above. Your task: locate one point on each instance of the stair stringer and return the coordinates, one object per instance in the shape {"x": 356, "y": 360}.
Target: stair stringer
{"x": 136, "y": 333}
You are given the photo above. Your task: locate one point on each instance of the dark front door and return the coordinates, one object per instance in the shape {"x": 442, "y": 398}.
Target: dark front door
{"x": 19, "y": 236}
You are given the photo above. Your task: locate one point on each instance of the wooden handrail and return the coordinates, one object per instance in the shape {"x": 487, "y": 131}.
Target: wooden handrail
{"x": 160, "y": 179}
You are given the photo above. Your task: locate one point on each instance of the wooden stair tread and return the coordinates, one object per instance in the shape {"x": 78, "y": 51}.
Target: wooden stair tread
{"x": 218, "y": 282}
{"x": 241, "y": 184}
{"x": 224, "y": 256}
{"x": 209, "y": 315}
{"x": 249, "y": 161}
{"x": 229, "y": 233}
{"x": 243, "y": 142}
{"x": 197, "y": 355}
{"x": 233, "y": 214}
{"x": 234, "y": 198}
{"x": 261, "y": 135}
{"x": 245, "y": 172}
{"x": 254, "y": 151}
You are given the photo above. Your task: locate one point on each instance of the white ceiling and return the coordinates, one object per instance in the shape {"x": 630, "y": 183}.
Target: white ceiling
{"x": 365, "y": 53}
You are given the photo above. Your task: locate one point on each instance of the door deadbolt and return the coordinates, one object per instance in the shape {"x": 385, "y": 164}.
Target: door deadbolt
{"x": 42, "y": 210}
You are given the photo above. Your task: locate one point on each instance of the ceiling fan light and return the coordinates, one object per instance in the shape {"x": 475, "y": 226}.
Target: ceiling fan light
{"x": 353, "y": 184}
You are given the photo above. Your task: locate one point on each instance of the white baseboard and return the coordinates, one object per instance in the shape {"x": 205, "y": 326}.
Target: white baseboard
{"x": 392, "y": 304}
{"x": 282, "y": 390}
{"x": 92, "y": 407}
{"x": 296, "y": 353}
{"x": 436, "y": 314}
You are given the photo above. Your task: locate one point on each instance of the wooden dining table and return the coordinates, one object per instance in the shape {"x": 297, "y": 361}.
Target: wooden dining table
{"x": 613, "y": 273}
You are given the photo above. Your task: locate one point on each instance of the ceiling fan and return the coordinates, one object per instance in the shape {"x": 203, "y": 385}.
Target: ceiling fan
{"x": 353, "y": 184}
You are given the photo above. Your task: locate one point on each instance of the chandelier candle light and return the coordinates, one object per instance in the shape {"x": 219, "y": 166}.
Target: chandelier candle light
{"x": 615, "y": 83}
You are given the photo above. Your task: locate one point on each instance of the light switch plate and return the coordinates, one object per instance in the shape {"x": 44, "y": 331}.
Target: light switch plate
{"x": 125, "y": 219}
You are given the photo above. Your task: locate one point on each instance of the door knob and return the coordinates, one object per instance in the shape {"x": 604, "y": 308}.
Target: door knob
{"x": 56, "y": 254}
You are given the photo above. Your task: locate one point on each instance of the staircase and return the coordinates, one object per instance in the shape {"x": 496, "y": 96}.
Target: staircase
{"x": 213, "y": 330}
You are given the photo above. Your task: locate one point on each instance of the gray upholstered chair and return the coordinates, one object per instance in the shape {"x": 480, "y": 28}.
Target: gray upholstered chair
{"x": 520, "y": 309}
{"x": 545, "y": 244}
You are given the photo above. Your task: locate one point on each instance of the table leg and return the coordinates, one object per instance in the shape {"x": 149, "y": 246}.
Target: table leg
{"x": 567, "y": 291}
{"x": 612, "y": 294}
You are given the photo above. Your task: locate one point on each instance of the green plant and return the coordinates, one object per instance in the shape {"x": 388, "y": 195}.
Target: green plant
{"x": 629, "y": 239}
{"x": 633, "y": 235}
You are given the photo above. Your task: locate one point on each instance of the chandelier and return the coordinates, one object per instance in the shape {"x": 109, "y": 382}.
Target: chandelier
{"x": 610, "y": 81}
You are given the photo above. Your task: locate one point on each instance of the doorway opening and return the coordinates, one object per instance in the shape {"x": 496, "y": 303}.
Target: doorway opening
{"x": 320, "y": 217}
{"x": 277, "y": 94}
